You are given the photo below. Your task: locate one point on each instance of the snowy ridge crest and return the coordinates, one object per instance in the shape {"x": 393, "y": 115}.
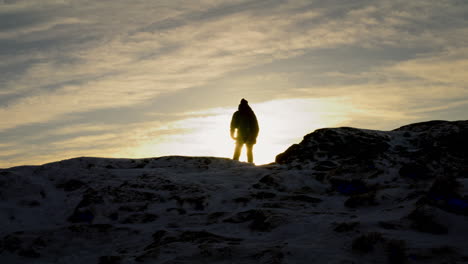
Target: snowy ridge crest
{"x": 342, "y": 195}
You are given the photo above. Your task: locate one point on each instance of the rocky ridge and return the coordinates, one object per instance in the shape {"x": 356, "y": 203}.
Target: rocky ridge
{"x": 342, "y": 195}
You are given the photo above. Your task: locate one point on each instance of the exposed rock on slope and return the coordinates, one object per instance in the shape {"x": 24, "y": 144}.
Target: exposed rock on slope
{"x": 337, "y": 143}
{"x": 343, "y": 195}
{"x": 429, "y": 148}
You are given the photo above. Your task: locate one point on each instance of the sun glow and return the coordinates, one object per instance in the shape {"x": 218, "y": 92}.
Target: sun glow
{"x": 282, "y": 123}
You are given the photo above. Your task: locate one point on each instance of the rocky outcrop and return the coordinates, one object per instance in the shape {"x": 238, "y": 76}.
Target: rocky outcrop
{"x": 337, "y": 143}
{"x": 441, "y": 145}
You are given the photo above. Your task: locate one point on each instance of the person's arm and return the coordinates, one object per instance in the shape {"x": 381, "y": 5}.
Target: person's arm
{"x": 233, "y": 125}
{"x": 255, "y": 126}
{"x": 233, "y": 131}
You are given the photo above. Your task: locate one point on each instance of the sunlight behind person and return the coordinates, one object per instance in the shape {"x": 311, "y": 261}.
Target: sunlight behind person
{"x": 282, "y": 123}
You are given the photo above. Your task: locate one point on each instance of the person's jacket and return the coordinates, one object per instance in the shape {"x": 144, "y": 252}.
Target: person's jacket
{"x": 245, "y": 121}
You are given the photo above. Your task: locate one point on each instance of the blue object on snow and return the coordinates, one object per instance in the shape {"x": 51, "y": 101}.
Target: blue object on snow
{"x": 458, "y": 204}
{"x": 451, "y": 203}
{"x": 351, "y": 188}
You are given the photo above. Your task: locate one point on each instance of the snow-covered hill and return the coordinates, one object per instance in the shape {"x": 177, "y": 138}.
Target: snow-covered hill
{"x": 343, "y": 195}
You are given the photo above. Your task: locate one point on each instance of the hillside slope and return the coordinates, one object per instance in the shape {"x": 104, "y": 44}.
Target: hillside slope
{"x": 343, "y": 195}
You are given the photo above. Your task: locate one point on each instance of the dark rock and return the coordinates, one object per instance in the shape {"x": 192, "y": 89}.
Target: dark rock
{"x": 214, "y": 217}
{"x": 346, "y": 227}
{"x": 415, "y": 171}
{"x": 260, "y": 220}
{"x": 178, "y": 210}
{"x": 141, "y": 165}
{"x": 32, "y": 203}
{"x": 396, "y": 251}
{"x": 242, "y": 217}
{"x": 5, "y": 173}
{"x": 273, "y": 205}
{"x": 157, "y": 241}
{"x": 243, "y": 200}
{"x": 168, "y": 187}
{"x": 102, "y": 228}
{"x": 444, "y": 194}
{"x": 256, "y": 186}
{"x": 91, "y": 197}
{"x": 450, "y": 136}
{"x": 446, "y": 186}
{"x": 320, "y": 176}
{"x": 422, "y": 126}
{"x": 110, "y": 259}
{"x": 273, "y": 255}
{"x": 204, "y": 237}
{"x": 81, "y": 215}
{"x": 424, "y": 221}
{"x": 427, "y": 148}
{"x": 269, "y": 180}
{"x": 444, "y": 250}
{"x": 140, "y": 218}
{"x": 134, "y": 208}
{"x": 162, "y": 237}
{"x": 290, "y": 154}
{"x": 361, "y": 200}
{"x": 263, "y": 195}
{"x": 29, "y": 253}
{"x": 158, "y": 235}
{"x": 114, "y": 216}
{"x": 216, "y": 251}
{"x": 12, "y": 242}
{"x": 342, "y": 142}
{"x": 440, "y": 140}
{"x": 443, "y": 254}
{"x": 301, "y": 198}
{"x": 123, "y": 195}
{"x": 39, "y": 242}
{"x": 325, "y": 165}
{"x": 350, "y": 187}
{"x": 198, "y": 202}
{"x": 389, "y": 225}
{"x": 414, "y": 195}
{"x": 366, "y": 243}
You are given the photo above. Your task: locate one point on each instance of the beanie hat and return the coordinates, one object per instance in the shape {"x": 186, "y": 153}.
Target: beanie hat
{"x": 243, "y": 101}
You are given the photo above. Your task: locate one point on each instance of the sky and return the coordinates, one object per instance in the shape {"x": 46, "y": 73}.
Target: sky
{"x": 144, "y": 78}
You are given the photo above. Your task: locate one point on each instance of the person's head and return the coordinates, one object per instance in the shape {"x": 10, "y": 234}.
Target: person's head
{"x": 244, "y": 105}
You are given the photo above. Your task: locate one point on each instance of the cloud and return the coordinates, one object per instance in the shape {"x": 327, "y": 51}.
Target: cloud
{"x": 448, "y": 67}
{"x": 116, "y": 73}
{"x": 63, "y": 61}
{"x": 34, "y": 28}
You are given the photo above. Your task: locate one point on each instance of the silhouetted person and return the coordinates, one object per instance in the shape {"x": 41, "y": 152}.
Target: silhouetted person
{"x": 245, "y": 121}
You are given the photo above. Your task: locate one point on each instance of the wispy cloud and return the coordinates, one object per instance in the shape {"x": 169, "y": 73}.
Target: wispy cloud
{"x": 448, "y": 67}
{"x": 60, "y": 59}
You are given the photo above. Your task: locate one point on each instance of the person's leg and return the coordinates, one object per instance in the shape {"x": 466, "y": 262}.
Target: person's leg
{"x": 249, "y": 153}
{"x": 237, "y": 151}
